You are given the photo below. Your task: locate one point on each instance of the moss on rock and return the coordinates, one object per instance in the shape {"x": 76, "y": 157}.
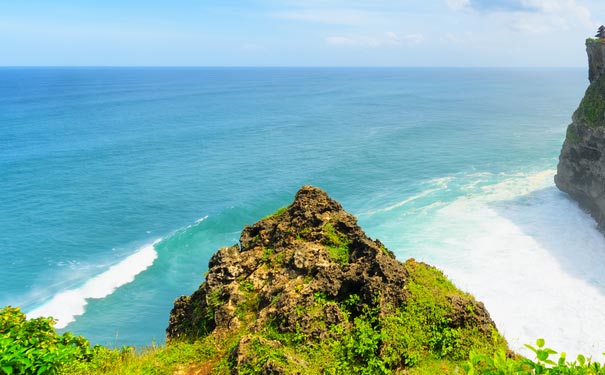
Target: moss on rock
{"x": 592, "y": 107}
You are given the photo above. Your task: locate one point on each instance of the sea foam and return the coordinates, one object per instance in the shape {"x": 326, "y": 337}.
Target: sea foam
{"x": 65, "y": 306}
{"x": 530, "y": 254}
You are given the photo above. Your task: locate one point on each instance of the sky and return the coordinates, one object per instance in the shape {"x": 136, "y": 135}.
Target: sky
{"x": 408, "y": 33}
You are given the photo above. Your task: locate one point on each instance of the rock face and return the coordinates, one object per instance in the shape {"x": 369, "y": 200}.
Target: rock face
{"x": 581, "y": 169}
{"x": 596, "y": 59}
{"x": 309, "y": 271}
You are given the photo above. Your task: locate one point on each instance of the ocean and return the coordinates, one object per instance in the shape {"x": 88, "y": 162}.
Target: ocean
{"x": 118, "y": 184}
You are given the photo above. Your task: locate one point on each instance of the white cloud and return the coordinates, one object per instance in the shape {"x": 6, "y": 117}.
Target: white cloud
{"x": 342, "y": 41}
{"x": 414, "y": 39}
{"x": 530, "y": 16}
{"x": 360, "y": 41}
{"x": 458, "y": 4}
{"x": 565, "y": 9}
{"x": 392, "y": 36}
{"x": 333, "y": 17}
{"x": 388, "y": 39}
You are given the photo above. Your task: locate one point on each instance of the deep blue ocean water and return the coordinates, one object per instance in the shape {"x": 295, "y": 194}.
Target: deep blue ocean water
{"x": 117, "y": 185}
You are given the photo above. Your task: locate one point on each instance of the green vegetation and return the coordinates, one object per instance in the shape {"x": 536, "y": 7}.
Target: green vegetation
{"x": 205, "y": 314}
{"x": 592, "y": 107}
{"x": 571, "y": 135}
{"x": 34, "y": 347}
{"x": 500, "y": 364}
{"x": 267, "y": 253}
{"x": 594, "y": 40}
{"x": 420, "y": 337}
{"x": 176, "y": 358}
{"x": 337, "y": 244}
{"x": 422, "y": 331}
{"x": 246, "y": 286}
{"x": 417, "y": 336}
{"x": 277, "y": 214}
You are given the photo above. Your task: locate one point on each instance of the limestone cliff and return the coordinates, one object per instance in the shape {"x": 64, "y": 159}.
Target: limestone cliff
{"x": 308, "y": 277}
{"x": 581, "y": 169}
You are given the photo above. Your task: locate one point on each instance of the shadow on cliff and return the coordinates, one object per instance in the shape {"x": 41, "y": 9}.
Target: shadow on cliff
{"x": 557, "y": 225}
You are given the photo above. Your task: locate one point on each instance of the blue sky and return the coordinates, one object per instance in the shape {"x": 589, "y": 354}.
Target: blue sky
{"x": 548, "y": 33}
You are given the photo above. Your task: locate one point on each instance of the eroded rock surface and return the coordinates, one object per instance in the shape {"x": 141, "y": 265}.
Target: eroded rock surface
{"x": 581, "y": 169}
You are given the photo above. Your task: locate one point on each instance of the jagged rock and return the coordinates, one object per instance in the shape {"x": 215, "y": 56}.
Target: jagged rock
{"x": 581, "y": 168}
{"x": 596, "y": 59}
{"x": 302, "y": 271}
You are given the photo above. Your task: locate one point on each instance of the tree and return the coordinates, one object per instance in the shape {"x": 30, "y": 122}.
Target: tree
{"x": 601, "y": 32}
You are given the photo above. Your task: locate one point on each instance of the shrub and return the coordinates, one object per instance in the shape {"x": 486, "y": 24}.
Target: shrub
{"x": 34, "y": 347}
{"x": 500, "y": 364}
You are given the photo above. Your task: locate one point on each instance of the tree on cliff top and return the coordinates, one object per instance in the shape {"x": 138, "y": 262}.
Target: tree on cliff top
{"x": 601, "y": 32}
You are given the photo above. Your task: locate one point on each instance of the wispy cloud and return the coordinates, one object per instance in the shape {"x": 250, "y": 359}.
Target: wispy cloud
{"x": 388, "y": 39}
{"x": 326, "y": 16}
{"x": 414, "y": 39}
{"x": 497, "y": 5}
{"x": 530, "y": 16}
{"x": 562, "y": 8}
{"x": 458, "y": 4}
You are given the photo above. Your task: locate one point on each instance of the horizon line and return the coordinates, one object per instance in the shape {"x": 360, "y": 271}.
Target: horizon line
{"x": 296, "y": 66}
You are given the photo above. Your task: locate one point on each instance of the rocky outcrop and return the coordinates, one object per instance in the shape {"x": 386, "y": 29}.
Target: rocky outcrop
{"x": 309, "y": 274}
{"x": 596, "y": 58}
{"x": 581, "y": 169}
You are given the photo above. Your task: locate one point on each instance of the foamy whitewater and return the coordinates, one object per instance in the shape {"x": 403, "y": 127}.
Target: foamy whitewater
{"x": 450, "y": 166}
{"x": 530, "y": 254}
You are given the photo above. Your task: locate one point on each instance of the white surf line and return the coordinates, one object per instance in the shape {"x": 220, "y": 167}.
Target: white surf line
{"x": 441, "y": 185}
{"x": 65, "y": 306}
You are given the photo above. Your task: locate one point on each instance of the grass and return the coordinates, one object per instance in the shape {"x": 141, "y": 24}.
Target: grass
{"x": 337, "y": 244}
{"x": 276, "y": 214}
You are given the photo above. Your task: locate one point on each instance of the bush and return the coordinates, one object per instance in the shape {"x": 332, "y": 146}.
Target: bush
{"x": 501, "y": 364}
{"x": 34, "y": 347}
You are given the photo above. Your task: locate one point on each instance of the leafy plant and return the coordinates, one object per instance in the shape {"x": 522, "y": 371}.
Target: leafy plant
{"x": 501, "y": 364}
{"x": 34, "y": 347}
{"x": 246, "y": 286}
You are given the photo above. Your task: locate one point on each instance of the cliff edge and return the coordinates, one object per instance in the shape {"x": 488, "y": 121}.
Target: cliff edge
{"x": 581, "y": 168}
{"x": 306, "y": 291}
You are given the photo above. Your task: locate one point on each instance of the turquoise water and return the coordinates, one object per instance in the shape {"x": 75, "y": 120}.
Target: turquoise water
{"x": 117, "y": 184}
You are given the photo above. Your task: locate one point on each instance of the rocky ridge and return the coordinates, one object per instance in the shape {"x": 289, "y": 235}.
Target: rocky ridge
{"x": 308, "y": 275}
{"x": 581, "y": 168}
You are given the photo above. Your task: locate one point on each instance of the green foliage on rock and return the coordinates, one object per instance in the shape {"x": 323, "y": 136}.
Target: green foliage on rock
{"x": 592, "y": 108}
{"x": 277, "y": 214}
{"x": 594, "y": 40}
{"x": 337, "y": 244}
{"x": 425, "y": 328}
{"x": 418, "y": 339}
{"x": 571, "y": 135}
{"x": 420, "y": 336}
